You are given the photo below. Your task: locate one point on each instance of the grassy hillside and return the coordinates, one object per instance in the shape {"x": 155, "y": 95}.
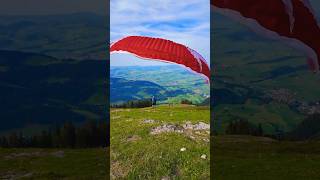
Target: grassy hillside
{"x": 247, "y": 157}
{"x": 234, "y": 157}
{"x": 54, "y": 163}
{"x": 136, "y": 153}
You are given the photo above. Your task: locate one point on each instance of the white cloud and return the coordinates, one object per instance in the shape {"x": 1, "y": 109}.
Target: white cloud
{"x": 186, "y": 22}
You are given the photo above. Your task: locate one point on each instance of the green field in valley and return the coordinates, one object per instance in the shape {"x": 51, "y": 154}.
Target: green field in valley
{"x": 170, "y": 84}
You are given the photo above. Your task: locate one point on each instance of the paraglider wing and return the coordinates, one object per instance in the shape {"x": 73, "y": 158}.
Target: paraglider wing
{"x": 159, "y": 49}
{"x": 290, "y": 21}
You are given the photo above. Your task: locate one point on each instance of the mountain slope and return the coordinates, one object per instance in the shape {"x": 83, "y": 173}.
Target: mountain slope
{"x": 41, "y": 89}
{"x": 122, "y": 90}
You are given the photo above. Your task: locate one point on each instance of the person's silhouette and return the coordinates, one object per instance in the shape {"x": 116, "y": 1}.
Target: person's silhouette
{"x": 153, "y": 101}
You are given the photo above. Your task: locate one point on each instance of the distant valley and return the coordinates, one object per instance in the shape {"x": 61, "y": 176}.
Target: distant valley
{"x": 169, "y": 84}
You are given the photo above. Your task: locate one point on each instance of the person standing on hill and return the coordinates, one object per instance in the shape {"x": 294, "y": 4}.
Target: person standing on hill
{"x": 153, "y": 101}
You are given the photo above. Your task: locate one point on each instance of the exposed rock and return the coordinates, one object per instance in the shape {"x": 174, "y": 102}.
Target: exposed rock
{"x": 198, "y": 126}
{"x": 206, "y": 140}
{"x": 195, "y": 132}
{"x": 148, "y": 121}
{"x": 203, "y": 156}
{"x": 188, "y": 125}
{"x": 201, "y": 126}
{"x": 166, "y": 128}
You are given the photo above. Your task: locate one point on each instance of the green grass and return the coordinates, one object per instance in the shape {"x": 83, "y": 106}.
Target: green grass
{"x": 157, "y": 156}
{"x": 270, "y": 116}
{"x": 234, "y": 157}
{"x": 259, "y": 158}
{"x": 43, "y": 164}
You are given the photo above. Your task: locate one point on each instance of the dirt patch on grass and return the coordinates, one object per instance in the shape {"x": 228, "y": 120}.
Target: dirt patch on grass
{"x": 119, "y": 170}
{"x": 59, "y": 154}
{"x": 15, "y": 175}
{"x": 133, "y": 138}
{"x": 115, "y": 117}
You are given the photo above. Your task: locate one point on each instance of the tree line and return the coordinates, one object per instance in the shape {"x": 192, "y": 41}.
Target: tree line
{"x": 141, "y": 103}
{"x": 134, "y": 104}
{"x": 88, "y": 135}
{"x": 308, "y": 129}
{"x": 185, "y": 101}
{"x": 244, "y": 127}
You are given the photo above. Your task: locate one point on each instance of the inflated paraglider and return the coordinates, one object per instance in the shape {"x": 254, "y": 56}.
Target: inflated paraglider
{"x": 290, "y": 21}
{"x": 159, "y": 49}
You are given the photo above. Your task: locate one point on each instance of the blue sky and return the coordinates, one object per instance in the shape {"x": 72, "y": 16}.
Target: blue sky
{"x": 185, "y": 22}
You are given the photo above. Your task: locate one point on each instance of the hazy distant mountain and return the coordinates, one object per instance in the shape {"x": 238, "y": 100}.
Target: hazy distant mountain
{"x": 76, "y": 36}
{"x": 39, "y": 89}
